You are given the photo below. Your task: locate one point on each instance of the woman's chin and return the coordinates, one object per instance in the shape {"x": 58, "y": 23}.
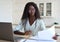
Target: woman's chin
{"x": 33, "y": 15}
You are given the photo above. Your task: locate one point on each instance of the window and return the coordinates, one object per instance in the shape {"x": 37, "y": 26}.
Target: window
{"x": 41, "y": 9}
{"x": 45, "y": 9}
{"x": 48, "y": 9}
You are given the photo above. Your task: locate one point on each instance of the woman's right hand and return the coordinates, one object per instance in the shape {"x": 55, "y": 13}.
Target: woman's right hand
{"x": 28, "y": 33}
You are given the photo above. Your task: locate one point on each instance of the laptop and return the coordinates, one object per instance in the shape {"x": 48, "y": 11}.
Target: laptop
{"x": 6, "y": 31}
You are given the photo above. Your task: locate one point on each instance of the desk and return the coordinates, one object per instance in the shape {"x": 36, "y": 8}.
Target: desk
{"x": 57, "y": 26}
{"x": 19, "y": 37}
{"x": 4, "y": 41}
{"x": 30, "y": 40}
{"x": 23, "y": 36}
{"x": 36, "y": 40}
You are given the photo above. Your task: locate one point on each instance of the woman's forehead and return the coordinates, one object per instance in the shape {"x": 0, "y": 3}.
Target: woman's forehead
{"x": 31, "y": 6}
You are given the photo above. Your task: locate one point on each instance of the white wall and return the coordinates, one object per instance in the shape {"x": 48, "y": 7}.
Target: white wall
{"x": 5, "y": 10}
{"x": 18, "y": 7}
{"x": 56, "y": 10}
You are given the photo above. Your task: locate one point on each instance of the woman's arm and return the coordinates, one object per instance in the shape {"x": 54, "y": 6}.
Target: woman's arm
{"x": 19, "y": 33}
{"x": 18, "y": 29}
{"x": 23, "y": 33}
{"x": 42, "y": 25}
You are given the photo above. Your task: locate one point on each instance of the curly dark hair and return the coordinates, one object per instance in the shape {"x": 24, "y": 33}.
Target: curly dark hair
{"x": 26, "y": 9}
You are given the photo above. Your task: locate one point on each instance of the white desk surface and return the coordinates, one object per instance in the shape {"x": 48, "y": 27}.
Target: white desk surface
{"x": 30, "y": 40}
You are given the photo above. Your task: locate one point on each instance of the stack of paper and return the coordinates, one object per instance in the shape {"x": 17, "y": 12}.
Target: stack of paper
{"x": 45, "y": 34}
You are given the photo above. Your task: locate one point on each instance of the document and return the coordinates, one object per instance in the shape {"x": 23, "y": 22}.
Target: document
{"x": 46, "y": 34}
{"x": 42, "y": 36}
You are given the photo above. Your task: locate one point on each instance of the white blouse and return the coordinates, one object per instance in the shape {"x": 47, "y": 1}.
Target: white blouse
{"x": 38, "y": 25}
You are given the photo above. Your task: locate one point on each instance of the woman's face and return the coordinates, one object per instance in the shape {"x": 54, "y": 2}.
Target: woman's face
{"x": 31, "y": 10}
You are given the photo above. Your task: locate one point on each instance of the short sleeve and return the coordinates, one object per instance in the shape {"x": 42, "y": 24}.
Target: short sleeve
{"x": 18, "y": 27}
{"x": 42, "y": 25}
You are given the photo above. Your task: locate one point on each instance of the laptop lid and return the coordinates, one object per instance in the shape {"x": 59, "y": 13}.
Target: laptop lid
{"x": 6, "y": 32}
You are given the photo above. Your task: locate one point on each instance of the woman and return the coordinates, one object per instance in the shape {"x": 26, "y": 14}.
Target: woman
{"x": 30, "y": 21}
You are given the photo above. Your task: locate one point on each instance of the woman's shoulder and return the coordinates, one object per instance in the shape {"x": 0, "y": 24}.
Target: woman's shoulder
{"x": 22, "y": 21}
{"x": 40, "y": 20}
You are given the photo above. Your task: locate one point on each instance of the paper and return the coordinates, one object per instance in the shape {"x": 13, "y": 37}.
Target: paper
{"x": 43, "y": 36}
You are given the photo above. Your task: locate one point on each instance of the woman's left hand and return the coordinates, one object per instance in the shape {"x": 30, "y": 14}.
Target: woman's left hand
{"x": 54, "y": 37}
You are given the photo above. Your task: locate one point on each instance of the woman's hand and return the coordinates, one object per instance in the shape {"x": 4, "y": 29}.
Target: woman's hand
{"x": 55, "y": 37}
{"x": 28, "y": 33}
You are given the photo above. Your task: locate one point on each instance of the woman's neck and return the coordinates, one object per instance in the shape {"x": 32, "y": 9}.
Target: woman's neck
{"x": 31, "y": 20}
{"x": 32, "y": 17}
